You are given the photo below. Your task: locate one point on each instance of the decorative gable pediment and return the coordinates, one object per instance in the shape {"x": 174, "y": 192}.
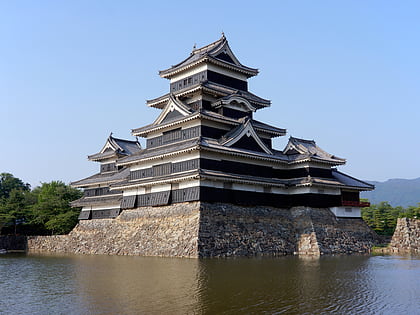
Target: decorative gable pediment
{"x": 223, "y": 52}
{"x": 110, "y": 145}
{"x": 244, "y": 136}
{"x": 235, "y": 102}
{"x": 173, "y": 109}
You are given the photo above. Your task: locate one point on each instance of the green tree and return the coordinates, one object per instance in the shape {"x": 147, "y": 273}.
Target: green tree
{"x": 8, "y": 182}
{"x": 52, "y": 210}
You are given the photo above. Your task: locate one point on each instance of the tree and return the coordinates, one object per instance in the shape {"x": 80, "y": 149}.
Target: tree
{"x": 52, "y": 210}
{"x": 8, "y": 182}
{"x": 14, "y": 208}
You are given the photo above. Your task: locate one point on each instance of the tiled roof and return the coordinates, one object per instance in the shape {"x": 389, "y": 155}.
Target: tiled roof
{"x": 115, "y": 147}
{"x": 297, "y": 148}
{"x": 157, "y": 152}
{"x": 97, "y": 201}
{"x": 351, "y": 181}
{"x": 209, "y": 53}
{"x": 102, "y": 178}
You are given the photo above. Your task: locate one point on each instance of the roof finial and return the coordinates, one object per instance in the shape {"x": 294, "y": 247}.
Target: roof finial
{"x": 223, "y": 35}
{"x": 195, "y": 46}
{"x": 111, "y": 134}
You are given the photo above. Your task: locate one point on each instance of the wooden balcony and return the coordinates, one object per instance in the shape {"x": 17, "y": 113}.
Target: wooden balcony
{"x": 360, "y": 204}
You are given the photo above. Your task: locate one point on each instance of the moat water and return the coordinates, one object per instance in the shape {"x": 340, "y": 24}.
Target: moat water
{"x": 76, "y": 284}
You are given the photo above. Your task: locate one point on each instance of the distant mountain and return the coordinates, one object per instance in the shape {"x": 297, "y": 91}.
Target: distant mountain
{"x": 398, "y": 192}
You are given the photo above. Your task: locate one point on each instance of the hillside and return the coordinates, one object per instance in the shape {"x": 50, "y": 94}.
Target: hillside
{"x": 398, "y": 192}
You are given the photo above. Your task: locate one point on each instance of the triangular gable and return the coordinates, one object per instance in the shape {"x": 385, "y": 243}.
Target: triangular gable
{"x": 110, "y": 145}
{"x": 172, "y": 110}
{"x": 223, "y": 52}
{"x": 242, "y": 134}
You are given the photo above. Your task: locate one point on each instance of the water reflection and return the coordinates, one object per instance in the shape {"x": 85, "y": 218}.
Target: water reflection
{"x": 141, "y": 285}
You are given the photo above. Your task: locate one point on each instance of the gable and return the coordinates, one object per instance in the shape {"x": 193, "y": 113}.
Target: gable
{"x": 172, "y": 115}
{"x": 248, "y": 143}
{"x": 174, "y": 109}
{"x": 225, "y": 57}
{"x": 245, "y": 137}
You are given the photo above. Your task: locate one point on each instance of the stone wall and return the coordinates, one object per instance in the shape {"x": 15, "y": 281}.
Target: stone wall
{"x": 406, "y": 237}
{"x": 197, "y": 229}
{"x": 150, "y": 231}
{"x": 230, "y": 230}
{"x": 321, "y": 232}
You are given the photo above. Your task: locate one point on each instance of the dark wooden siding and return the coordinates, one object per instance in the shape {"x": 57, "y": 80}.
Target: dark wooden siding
{"x": 230, "y": 112}
{"x": 350, "y": 195}
{"x": 105, "y": 214}
{"x": 188, "y": 81}
{"x": 211, "y": 132}
{"x": 162, "y": 169}
{"x": 128, "y": 202}
{"x": 160, "y": 198}
{"x": 173, "y": 136}
{"x": 165, "y": 169}
{"x": 262, "y": 171}
{"x": 209, "y": 75}
{"x": 100, "y": 192}
{"x": 186, "y": 194}
{"x": 251, "y": 198}
{"x": 109, "y": 167}
{"x": 85, "y": 215}
{"x": 227, "y": 80}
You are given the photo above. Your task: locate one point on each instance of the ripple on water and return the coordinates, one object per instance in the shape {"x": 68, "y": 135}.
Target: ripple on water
{"x": 135, "y": 285}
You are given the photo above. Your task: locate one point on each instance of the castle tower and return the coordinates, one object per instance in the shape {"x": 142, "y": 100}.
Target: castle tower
{"x": 205, "y": 147}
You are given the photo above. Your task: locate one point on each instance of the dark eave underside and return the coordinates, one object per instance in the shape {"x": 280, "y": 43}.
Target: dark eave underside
{"x": 97, "y": 201}
{"x": 204, "y": 114}
{"x": 212, "y": 88}
{"x": 101, "y": 178}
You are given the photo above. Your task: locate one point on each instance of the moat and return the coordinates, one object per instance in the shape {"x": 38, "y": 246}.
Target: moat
{"x": 89, "y": 284}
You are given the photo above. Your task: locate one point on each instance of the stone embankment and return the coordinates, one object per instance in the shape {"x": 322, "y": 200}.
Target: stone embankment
{"x": 406, "y": 237}
{"x": 199, "y": 229}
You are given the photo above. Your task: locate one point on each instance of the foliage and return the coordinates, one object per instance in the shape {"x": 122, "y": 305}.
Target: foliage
{"x": 53, "y": 209}
{"x": 44, "y": 210}
{"x": 383, "y": 217}
{"x": 8, "y": 183}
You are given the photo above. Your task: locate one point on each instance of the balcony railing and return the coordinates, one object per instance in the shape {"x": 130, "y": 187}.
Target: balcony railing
{"x": 360, "y": 204}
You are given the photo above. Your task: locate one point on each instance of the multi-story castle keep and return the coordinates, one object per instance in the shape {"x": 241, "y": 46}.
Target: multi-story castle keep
{"x": 205, "y": 148}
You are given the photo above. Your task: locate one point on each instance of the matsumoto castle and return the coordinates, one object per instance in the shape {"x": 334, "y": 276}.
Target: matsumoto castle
{"x": 206, "y": 146}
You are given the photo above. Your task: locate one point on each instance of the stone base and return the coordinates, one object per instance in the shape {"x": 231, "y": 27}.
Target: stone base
{"x": 199, "y": 229}
{"x": 406, "y": 238}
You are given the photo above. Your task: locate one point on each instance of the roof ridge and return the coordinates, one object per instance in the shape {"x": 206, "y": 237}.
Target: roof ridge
{"x": 213, "y": 44}
{"x": 302, "y": 140}
{"x": 125, "y": 140}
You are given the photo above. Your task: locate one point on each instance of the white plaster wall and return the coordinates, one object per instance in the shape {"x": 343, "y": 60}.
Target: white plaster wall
{"x": 314, "y": 190}
{"x": 158, "y": 188}
{"x": 132, "y": 192}
{"x": 350, "y": 212}
{"x": 115, "y": 206}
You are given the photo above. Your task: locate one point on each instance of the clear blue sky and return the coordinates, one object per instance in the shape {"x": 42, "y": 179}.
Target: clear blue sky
{"x": 344, "y": 73}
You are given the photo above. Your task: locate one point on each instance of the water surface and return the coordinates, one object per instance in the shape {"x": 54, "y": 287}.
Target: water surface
{"x": 78, "y": 284}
